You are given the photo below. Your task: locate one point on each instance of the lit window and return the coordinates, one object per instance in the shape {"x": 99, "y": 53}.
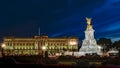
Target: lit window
{"x": 31, "y": 47}
{"x": 15, "y": 47}
{"x": 55, "y": 47}
{"x": 58, "y": 47}
{"x": 50, "y": 47}
{"x": 19, "y": 47}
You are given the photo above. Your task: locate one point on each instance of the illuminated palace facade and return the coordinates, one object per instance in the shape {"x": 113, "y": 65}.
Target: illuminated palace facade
{"x": 33, "y": 46}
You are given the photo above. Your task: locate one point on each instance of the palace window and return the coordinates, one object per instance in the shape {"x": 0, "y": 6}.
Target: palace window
{"x": 18, "y": 47}
{"x": 61, "y": 47}
{"x": 25, "y": 47}
{"x": 53, "y": 47}
{"x": 28, "y": 47}
{"x": 49, "y": 47}
{"x": 21, "y": 47}
{"x": 31, "y": 47}
{"x": 65, "y": 47}
{"x": 56, "y": 47}
{"x": 15, "y": 47}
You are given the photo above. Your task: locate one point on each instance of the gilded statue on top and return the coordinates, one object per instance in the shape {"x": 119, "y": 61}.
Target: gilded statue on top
{"x": 88, "y": 22}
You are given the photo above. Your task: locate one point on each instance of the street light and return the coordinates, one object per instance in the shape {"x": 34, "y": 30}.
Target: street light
{"x": 44, "y": 49}
{"x": 3, "y": 45}
{"x": 100, "y": 48}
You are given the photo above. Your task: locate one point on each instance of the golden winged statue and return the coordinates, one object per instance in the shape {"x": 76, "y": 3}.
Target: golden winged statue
{"x": 88, "y": 22}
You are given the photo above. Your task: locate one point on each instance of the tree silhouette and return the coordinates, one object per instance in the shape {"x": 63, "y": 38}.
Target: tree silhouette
{"x": 106, "y": 43}
{"x": 116, "y": 44}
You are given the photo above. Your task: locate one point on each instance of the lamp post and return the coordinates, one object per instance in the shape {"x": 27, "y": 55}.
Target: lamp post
{"x": 3, "y": 45}
{"x": 44, "y": 49}
{"x": 100, "y": 48}
{"x": 2, "y": 48}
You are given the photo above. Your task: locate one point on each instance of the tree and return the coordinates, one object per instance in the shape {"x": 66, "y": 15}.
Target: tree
{"x": 116, "y": 44}
{"x": 106, "y": 43}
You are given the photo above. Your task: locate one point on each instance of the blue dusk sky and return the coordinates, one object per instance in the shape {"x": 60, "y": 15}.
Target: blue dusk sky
{"x": 57, "y": 18}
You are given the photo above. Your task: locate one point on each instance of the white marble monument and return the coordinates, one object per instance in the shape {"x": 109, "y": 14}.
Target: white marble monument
{"x": 89, "y": 44}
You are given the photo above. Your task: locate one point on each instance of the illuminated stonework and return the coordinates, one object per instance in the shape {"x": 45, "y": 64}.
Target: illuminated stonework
{"x": 89, "y": 44}
{"x": 33, "y": 46}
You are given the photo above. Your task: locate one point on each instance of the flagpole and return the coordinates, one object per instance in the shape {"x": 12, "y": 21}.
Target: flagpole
{"x": 39, "y": 31}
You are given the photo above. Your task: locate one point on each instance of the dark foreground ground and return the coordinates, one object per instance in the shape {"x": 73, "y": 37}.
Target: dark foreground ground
{"x": 62, "y": 61}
